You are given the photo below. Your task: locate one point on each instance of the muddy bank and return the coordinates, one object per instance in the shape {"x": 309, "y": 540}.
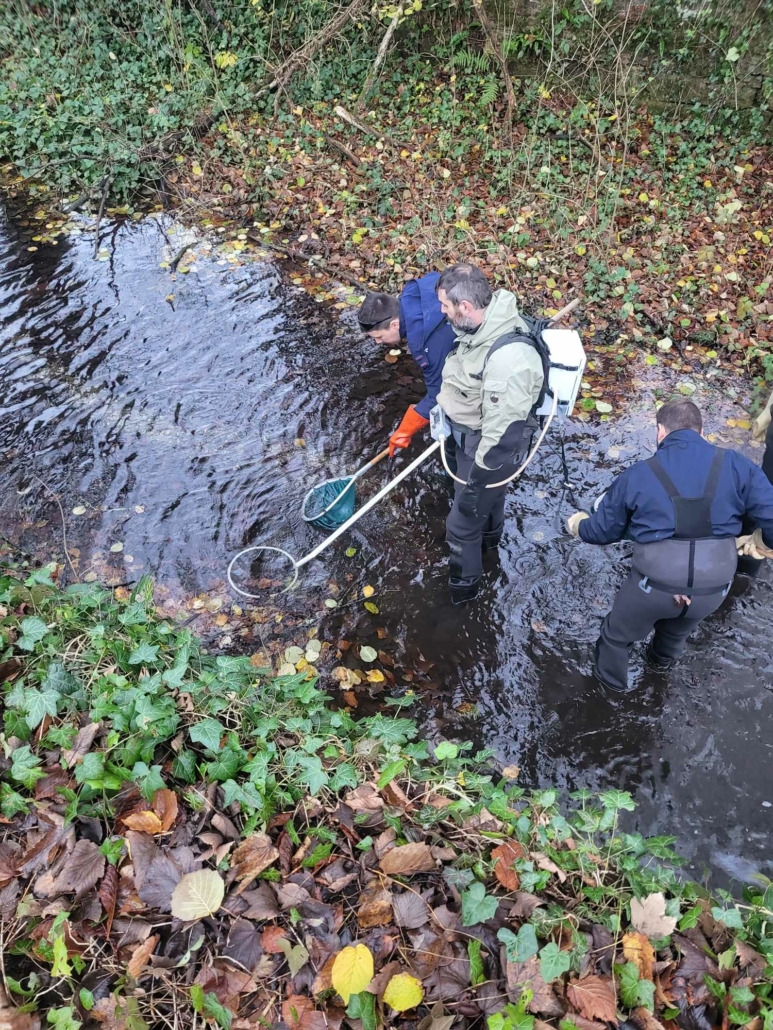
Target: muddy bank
{"x": 187, "y": 417}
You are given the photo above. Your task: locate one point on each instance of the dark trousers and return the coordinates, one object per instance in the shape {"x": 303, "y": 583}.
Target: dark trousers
{"x": 634, "y": 615}
{"x": 466, "y": 537}
{"x": 767, "y": 458}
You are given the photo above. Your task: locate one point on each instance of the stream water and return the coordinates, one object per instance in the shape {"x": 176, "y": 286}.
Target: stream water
{"x": 189, "y": 416}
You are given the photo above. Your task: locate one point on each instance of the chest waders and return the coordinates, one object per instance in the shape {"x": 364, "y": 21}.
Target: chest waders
{"x": 693, "y": 562}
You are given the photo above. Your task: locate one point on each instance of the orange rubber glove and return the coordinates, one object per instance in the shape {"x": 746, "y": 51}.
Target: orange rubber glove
{"x": 412, "y": 422}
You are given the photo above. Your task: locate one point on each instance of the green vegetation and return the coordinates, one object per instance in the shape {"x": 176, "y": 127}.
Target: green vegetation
{"x": 143, "y": 777}
{"x": 661, "y": 219}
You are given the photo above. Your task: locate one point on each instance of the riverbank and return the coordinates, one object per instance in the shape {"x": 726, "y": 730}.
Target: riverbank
{"x": 189, "y": 834}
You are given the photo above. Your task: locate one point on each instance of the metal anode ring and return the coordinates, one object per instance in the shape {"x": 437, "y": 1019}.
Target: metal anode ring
{"x": 261, "y": 547}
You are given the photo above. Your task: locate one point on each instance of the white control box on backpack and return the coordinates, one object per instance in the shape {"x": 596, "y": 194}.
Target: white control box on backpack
{"x": 567, "y": 367}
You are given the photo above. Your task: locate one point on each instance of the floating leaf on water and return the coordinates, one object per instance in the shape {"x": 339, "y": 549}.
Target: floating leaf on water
{"x": 651, "y": 360}
{"x": 350, "y": 552}
{"x": 330, "y": 603}
{"x": 665, "y": 344}
{"x": 315, "y": 646}
{"x": 198, "y": 895}
{"x": 368, "y": 654}
{"x": 376, "y": 676}
{"x": 139, "y": 508}
{"x": 368, "y": 591}
{"x": 286, "y": 669}
{"x": 116, "y": 548}
{"x": 293, "y": 654}
{"x": 603, "y": 407}
{"x": 372, "y": 608}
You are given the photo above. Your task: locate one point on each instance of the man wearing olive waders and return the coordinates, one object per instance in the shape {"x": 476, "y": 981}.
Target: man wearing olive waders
{"x": 414, "y": 316}
{"x": 683, "y": 509}
{"x": 492, "y": 384}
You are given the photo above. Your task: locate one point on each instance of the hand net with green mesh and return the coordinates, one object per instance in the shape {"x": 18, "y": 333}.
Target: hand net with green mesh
{"x": 330, "y": 504}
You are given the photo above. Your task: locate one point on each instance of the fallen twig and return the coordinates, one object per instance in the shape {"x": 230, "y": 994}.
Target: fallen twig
{"x": 352, "y": 158}
{"x": 106, "y": 180}
{"x": 48, "y": 489}
{"x": 382, "y": 50}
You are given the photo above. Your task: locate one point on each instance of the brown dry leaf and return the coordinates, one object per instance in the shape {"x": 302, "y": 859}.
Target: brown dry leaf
{"x": 143, "y": 822}
{"x": 295, "y": 1008}
{"x": 521, "y": 975}
{"x": 270, "y": 938}
{"x": 83, "y": 866}
{"x": 262, "y": 903}
{"x": 408, "y": 859}
{"x": 543, "y": 862}
{"x": 243, "y": 946}
{"x": 140, "y": 957}
{"x": 165, "y": 807}
{"x": 395, "y": 795}
{"x": 643, "y": 1019}
{"x": 637, "y": 949}
{"x": 253, "y": 855}
{"x": 324, "y": 978}
{"x": 81, "y": 745}
{"x": 365, "y": 798}
{"x": 375, "y": 906}
{"x": 586, "y": 1024}
{"x": 108, "y": 893}
{"x": 594, "y": 998}
{"x": 411, "y": 910}
{"x": 40, "y": 853}
{"x": 9, "y": 856}
{"x": 504, "y": 856}
{"x": 12, "y": 1018}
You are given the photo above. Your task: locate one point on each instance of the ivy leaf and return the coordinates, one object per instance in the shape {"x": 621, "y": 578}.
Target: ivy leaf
{"x": 38, "y": 704}
{"x": 520, "y": 946}
{"x": 312, "y": 773}
{"x": 24, "y": 767}
{"x": 553, "y": 962}
{"x": 209, "y": 733}
{"x": 446, "y": 750}
{"x": 731, "y": 917}
{"x": 225, "y": 766}
{"x": 635, "y": 992}
{"x": 61, "y": 965}
{"x": 477, "y": 906}
{"x": 144, "y": 654}
{"x": 148, "y": 780}
{"x": 33, "y": 629}
{"x": 477, "y": 972}
{"x": 59, "y": 680}
{"x": 345, "y": 775}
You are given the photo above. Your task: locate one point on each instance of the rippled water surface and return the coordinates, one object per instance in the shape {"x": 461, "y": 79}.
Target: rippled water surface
{"x": 190, "y": 416}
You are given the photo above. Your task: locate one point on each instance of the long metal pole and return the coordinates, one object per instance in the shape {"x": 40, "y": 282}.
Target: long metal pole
{"x": 371, "y": 504}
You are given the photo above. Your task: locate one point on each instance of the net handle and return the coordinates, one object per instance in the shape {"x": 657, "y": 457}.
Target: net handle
{"x": 352, "y": 480}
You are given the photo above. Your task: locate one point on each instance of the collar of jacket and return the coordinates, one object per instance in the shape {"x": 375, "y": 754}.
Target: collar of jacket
{"x": 681, "y": 438}
{"x": 501, "y": 316}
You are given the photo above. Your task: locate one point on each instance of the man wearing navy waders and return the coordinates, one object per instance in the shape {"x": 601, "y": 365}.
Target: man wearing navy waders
{"x": 683, "y": 509}
{"x": 414, "y": 316}
{"x": 492, "y": 384}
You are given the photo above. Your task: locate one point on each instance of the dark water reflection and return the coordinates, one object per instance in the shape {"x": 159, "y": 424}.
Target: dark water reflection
{"x": 212, "y": 410}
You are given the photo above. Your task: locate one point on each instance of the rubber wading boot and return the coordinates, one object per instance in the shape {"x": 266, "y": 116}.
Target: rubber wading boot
{"x": 462, "y": 592}
{"x": 655, "y": 661}
{"x": 491, "y": 541}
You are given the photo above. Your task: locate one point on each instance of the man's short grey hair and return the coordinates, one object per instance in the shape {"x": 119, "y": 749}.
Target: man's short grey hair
{"x": 466, "y": 282}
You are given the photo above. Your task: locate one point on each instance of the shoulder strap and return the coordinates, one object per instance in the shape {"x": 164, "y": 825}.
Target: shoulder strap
{"x": 532, "y": 340}
{"x": 712, "y": 480}
{"x": 662, "y": 476}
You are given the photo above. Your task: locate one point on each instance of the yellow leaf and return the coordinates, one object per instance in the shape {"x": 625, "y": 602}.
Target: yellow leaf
{"x": 375, "y": 676}
{"x": 352, "y": 971}
{"x": 196, "y": 169}
{"x": 403, "y": 992}
{"x": 643, "y": 197}
{"x": 743, "y": 423}
{"x": 368, "y": 591}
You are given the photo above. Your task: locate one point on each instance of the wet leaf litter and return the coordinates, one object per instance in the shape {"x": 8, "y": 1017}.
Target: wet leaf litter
{"x": 252, "y": 854}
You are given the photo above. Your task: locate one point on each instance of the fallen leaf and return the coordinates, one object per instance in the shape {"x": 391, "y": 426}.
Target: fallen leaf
{"x": 365, "y": 798}
{"x": 79, "y": 510}
{"x": 143, "y": 822}
{"x": 368, "y": 591}
{"x": 368, "y": 654}
{"x": 296, "y": 954}
{"x": 270, "y": 938}
{"x": 323, "y": 981}
{"x": 649, "y": 916}
{"x": 548, "y": 865}
{"x": 637, "y": 949}
{"x": 108, "y": 893}
{"x": 83, "y": 866}
{"x": 140, "y": 956}
{"x": 522, "y": 975}
{"x": 165, "y": 807}
{"x": 262, "y": 903}
{"x": 116, "y": 548}
{"x": 251, "y": 858}
{"x": 375, "y": 906}
{"x": 295, "y": 1009}
{"x": 81, "y": 745}
{"x": 407, "y": 860}
{"x": 403, "y": 992}
{"x": 376, "y": 676}
{"x": 198, "y": 895}
{"x": 511, "y": 772}
{"x": 161, "y": 877}
{"x": 503, "y": 857}
{"x": 243, "y": 946}
{"x": 411, "y": 910}
{"x": 594, "y": 998}
{"x": 352, "y": 971}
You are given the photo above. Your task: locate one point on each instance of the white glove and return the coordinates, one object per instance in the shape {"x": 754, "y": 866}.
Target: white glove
{"x": 762, "y": 421}
{"x": 755, "y": 548}
{"x": 573, "y": 522}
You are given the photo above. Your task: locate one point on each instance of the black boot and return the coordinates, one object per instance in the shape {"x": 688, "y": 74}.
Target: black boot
{"x": 463, "y": 591}
{"x": 657, "y": 662}
{"x": 491, "y": 541}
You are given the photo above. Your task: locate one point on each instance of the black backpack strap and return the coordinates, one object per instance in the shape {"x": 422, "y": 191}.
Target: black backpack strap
{"x": 533, "y": 339}
{"x": 662, "y": 477}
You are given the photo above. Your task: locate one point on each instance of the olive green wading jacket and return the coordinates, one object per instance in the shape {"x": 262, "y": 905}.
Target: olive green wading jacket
{"x": 496, "y": 400}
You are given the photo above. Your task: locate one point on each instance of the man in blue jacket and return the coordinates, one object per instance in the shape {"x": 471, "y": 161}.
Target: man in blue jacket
{"x": 683, "y": 509}
{"x": 414, "y": 316}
